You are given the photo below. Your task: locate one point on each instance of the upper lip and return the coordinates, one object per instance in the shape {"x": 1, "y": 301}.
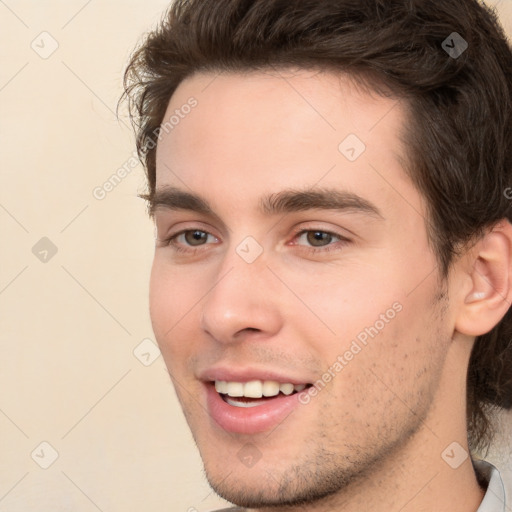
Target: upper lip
{"x": 233, "y": 374}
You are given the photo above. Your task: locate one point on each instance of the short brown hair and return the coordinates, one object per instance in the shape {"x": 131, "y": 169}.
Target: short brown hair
{"x": 459, "y": 137}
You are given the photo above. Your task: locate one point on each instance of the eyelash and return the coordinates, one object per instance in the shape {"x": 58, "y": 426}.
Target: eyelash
{"x": 333, "y": 246}
{"x": 171, "y": 242}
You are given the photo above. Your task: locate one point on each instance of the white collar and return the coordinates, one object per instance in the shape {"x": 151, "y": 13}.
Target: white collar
{"x": 495, "y": 499}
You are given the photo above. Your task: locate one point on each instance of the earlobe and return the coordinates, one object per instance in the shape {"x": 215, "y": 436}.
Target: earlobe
{"x": 490, "y": 294}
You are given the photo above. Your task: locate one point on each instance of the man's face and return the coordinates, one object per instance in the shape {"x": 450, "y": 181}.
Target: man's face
{"x": 295, "y": 291}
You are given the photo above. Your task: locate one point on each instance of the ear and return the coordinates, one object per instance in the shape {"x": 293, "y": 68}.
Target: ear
{"x": 486, "y": 294}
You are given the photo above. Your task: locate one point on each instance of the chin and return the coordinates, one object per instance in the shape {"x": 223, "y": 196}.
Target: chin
{"x": 263, "y": 489}
{"x": 295, "y": 480}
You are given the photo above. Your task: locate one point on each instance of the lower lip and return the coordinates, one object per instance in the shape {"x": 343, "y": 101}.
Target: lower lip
{"x": 249, "y": 420}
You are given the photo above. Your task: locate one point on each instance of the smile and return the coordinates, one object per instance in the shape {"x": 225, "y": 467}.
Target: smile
{"x": 254, "y": 389}
{"x": 253, "y": 406}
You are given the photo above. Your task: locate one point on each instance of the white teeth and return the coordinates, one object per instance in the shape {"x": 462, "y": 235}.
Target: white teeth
{"x": 287, "y": 388}
{"x": 270, "y": 388}
{"x": 221, "y": 386}
{"x": 256, "y": 388}
{"x": 235, "y": 389}
{"x": 236, "y": 403}
{"x": 253, "y": 389}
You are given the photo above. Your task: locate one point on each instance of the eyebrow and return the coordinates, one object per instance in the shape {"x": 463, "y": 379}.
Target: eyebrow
{"x": 285, "y": 201}
{"x": 322, "y": 199}
{"x": 171, "y": 198}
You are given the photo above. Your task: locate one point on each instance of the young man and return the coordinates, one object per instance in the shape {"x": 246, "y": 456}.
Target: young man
{"x": 329, "y": 181}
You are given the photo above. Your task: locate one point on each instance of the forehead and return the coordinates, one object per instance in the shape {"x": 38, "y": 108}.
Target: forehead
{"x": 261, "y": 130}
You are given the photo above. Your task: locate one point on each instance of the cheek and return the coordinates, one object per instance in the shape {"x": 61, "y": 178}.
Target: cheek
{"x": 375, "y": 324}
{"x": 387, "y": 386}
{"x": 342, "y": 302}
{"x": 171, "y": 304}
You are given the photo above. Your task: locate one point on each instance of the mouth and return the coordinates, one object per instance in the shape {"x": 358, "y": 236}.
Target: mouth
{"x": 255, "y": 393}
{"x": 253, "y": 406}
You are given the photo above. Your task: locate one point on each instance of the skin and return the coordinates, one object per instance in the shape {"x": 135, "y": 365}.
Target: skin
{"x": 373, "y": 438}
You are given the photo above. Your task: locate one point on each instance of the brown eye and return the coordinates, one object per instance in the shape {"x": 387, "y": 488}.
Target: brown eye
{"x": 318, "y": 238}
{"x": 195, "y": 237}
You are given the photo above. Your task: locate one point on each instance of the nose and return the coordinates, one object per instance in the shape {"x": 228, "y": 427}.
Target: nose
{"x": 243, "y": 299}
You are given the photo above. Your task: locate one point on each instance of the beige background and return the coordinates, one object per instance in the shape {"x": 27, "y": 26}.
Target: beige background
{"x": 70, "y": 323}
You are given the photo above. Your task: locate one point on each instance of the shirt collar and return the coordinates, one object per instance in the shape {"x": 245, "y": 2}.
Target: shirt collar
{"x": 495, "y": 499}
